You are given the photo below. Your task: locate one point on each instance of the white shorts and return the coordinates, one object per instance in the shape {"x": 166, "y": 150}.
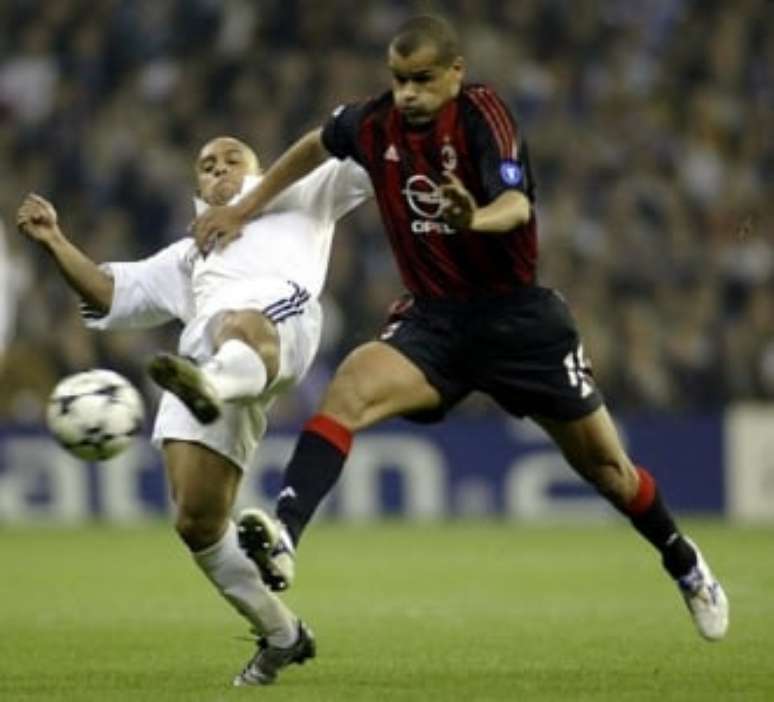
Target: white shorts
{"x": 298, "y": 320}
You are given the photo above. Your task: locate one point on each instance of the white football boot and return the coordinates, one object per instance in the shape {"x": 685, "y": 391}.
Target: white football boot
{"x": 183, "y": 378}
{"x": 705, "y": 598}
{"x": 267, "y": 542}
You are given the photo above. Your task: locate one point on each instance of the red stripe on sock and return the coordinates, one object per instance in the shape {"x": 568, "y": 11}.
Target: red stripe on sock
{"x": 645, "y": 494}
{"x": 331, "y": 431}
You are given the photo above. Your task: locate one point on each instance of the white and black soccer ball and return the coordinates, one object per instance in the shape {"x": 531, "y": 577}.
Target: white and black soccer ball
{"x": 95, "y": 414}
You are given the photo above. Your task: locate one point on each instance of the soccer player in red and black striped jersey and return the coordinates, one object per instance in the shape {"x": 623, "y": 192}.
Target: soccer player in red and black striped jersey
{"x": 451, "y": 173}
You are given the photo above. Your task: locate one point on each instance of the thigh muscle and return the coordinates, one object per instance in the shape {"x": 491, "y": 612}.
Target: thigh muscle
{"x": 376, "y": 382}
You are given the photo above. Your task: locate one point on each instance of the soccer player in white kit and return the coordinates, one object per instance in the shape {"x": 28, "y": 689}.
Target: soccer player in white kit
{"x": 252, "y": 328}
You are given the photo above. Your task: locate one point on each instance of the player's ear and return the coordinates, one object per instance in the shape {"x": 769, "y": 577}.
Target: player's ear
{"x": 256, "y": 162}
{"x": 458, "y": 65}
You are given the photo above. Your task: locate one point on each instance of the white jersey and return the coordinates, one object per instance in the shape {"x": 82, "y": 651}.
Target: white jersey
{"x": 292, "y": 239}
{"x": 277, "y": 266}
{"x": 291, "y": 242}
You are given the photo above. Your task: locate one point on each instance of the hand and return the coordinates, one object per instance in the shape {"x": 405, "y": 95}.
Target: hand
{"x": 36, "y": 218}
{"x": 217, "y": 228}
{"x": 458, "y": 205}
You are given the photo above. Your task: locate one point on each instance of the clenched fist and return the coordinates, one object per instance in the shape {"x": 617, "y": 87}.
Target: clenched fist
{"x": 37, "y": 219}
{"x": 217, "y": 228}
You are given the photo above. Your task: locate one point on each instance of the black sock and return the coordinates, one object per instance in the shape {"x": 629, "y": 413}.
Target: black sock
{"x": 314, "y": 469}
{"x": 651, "y": 518}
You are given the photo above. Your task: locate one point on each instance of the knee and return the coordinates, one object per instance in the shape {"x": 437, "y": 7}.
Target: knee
{"x": 197, "y": 529}
{"x": 255, "y": 330}
{"x": 232, "y": 326}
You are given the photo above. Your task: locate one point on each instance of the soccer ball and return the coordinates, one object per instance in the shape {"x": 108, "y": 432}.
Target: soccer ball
{"x": 95, "y": 414}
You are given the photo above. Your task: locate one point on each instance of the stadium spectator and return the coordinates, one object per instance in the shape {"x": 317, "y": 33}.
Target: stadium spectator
{"x": 639, "y": 111}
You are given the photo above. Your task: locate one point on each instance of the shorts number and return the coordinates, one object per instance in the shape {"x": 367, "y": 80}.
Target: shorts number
{"x": 579, "y": 371}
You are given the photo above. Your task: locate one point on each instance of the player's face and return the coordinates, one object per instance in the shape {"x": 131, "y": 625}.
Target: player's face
{"x": 221, "y": 168}
{"x": 421, "y": 85}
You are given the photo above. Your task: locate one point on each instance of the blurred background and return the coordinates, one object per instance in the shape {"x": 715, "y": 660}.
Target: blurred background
{"x": 650, "y": 129}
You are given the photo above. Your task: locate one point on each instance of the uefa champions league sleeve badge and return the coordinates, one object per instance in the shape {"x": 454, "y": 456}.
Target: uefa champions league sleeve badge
{"x": 511, "y": 173}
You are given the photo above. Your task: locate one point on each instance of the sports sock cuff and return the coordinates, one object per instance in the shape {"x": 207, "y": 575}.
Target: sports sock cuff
{"x": 228, "y": 535}
{"x": 646, "y": 493}
{"x": 330, "y": 430}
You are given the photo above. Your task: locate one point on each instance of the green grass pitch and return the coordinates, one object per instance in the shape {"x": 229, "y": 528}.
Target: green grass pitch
{"x": 460, "y": 611}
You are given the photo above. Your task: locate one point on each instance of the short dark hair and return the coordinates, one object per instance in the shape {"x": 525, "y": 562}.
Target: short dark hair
{"x": 422, "y": 30}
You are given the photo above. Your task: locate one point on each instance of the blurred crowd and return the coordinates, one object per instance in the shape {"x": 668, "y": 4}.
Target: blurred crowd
{"x": 650, "y": 131}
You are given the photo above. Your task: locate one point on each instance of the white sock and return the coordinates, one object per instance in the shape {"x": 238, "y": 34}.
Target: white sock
{"x": 236, "y": 372}
{"x": 238, "y": 580}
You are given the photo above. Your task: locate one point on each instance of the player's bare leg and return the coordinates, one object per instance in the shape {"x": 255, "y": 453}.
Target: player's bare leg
{"x": 204, "y": 486}
{"x": 245, "y": 362}
{"x": 592, "y": 447}
{"x": 373, "y": 383}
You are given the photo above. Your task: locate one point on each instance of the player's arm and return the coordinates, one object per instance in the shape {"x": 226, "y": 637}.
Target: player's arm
{"x": 507, "y": 211}
{"x": 220, "y": 225}
{"x": 298, "y": 161}
{"x": 37, "y": 219}
{"x": 502, "y": 162}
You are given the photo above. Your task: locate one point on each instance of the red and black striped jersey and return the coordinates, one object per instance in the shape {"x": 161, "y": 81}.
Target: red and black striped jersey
{"x": 475, "y": 137}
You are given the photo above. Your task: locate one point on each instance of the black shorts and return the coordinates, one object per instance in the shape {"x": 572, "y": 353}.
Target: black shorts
{"x": 523, "y": 350}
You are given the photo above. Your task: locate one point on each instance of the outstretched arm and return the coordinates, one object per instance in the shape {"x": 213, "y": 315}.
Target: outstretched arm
{"x": 37, "y": 219}
{"x": 299, "y": 160}
{"x": 220, "y": 225}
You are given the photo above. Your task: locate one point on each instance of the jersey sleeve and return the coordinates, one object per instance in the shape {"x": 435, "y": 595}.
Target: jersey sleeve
{"x": 330, "y": 191}
{"x": 352, "y": 187}
{"x": 500, "y": 152}
{"x": 149, "y": 292}
{"x": 339, "y": 135}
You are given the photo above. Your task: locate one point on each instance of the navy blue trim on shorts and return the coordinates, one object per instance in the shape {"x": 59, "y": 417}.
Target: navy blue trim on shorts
{"x": 288, "y": 306}
{"x": 90, "y": 313}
